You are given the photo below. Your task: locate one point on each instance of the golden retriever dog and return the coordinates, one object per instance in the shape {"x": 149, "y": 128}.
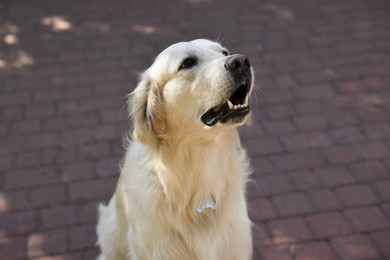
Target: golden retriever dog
{"x": 181, "y": 191}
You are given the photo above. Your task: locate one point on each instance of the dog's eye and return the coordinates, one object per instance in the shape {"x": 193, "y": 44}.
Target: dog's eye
{"x": 225, "y": 52}
{"x": 188, "y": 63}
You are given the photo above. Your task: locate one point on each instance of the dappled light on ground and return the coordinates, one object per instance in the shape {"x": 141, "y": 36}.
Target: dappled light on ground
{"x": 15, "y": 57}
{"x": 57, "y": 23}
{"x": 18, "y": 59}
{"x": 281, "y": 12}
{"x": 3, "y": 203}
{"x": 145, "y": 29}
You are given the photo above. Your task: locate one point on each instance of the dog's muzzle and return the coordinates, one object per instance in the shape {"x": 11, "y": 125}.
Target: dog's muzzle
{"x": 236, "y": 107}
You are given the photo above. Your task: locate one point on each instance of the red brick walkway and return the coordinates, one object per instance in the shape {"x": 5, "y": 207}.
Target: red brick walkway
{"x": 320, "y": 143}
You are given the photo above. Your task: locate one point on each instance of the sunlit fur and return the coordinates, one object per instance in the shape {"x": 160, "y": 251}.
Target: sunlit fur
{"x": 174, "y": 163}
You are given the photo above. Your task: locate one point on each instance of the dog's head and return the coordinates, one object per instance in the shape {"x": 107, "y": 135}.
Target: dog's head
{"x": 193, "y": 86}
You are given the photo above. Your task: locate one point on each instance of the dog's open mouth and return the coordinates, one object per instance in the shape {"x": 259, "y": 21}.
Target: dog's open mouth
{"x": 234, "y": 108}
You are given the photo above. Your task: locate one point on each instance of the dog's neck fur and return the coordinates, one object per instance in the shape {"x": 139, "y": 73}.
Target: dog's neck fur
{"x": 193, "y": 167}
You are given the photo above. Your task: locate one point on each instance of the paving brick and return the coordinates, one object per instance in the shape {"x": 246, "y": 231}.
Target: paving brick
{"x": 69, "y": 256}
{"x": 314, "y": 250}
{"x": 67, "y": 107}
{"x": 13, "y": 247}
{"x": 357, "y": 195}
{"x": 341, "y": 154}
{"x": 94, "y": 189}
{"x": 15, "y": 98}
{"x": 18, "y": 223}
{"x": 367, "y": 219}
{"x": 260, "y": 236}
{"x": 278, "y": 127}
{"x": 372, "y": 150}
{"x": 49, "y": 242}
{"x": 382, "y": 188}
{"x": 12, "y": 113}
{"x": 106, "y": 132}
{"x": 386, "y": 208}
{"x": 108, "y": 167}
{"x": 58, "y": 216}
{"x": 77, "y": 93}
{"x": 77, "y": 171}
{"x": 27, "y": 126}
{"x": 335, "y": 176}
{"x": 14, "y": 200}
{"x": 382, "y": 240}
{"x": 78, "y": 136}
{"x": 55, "y": 123}
{"x": 94, "y": 151}
{"x": 305, "y": 180}
{"x": 277, "y": 112}
{"x": 289, "y": 231}
{"x": 111, "y": 116}
{"x": 39, "y": 141}
{"x": 87, "y": 212}
{"x": 324, "y": 199}
{"x": 40, "y": 110}
{"x": 347, "y": 135}
{"x": 48, "y": 195}
{"x": 273, "y": 184}
{"x": 279, "y": 96}
{"x": 28, "y": 159}
{"x": 305, "y": 141}
{"x": 315, "y": 91}
{"x": 261, "y": 209}
{"x": 328, "y": 224}
{"x": 82, "y": 120}
{"x": 314, "y": 106}
{"x": 264, "y": 146}
{"x": 262, "y": 166}
{"x": 378, "y": 131}
{"x": 341, "y": 119}
{"x": 82, "y": 237}
{"x": 274, "y": 253}
{"x": 292, "y": 204}
{"x": 30, "y": 178}
{"x": 91, "y": 253}
{"x": 355, "y": 247}
{"x": 6, "y": 162}
{"x": 371, "y": 116}
{"x": 248, "y": 133}
{"x": 297, "y": 160}
{"x": 62, "y": 155}
{"x": 47, "y": 95}
{"x": 285, "y": 80}
{"x": 310, "y": 122}
{"x": 368, "y": 171}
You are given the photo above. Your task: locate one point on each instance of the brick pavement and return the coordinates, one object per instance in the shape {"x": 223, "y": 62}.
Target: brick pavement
{"x": 320, "y": 142}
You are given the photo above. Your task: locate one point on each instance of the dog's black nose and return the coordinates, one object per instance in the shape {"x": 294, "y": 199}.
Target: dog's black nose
{"x": 237, "y": 61}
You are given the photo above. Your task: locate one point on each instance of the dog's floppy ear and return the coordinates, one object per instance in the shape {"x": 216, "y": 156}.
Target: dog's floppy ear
{"x": 145, "y": 106}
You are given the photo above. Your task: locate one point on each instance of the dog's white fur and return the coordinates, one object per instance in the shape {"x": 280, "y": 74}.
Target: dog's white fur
{"x": 180, "y": 194}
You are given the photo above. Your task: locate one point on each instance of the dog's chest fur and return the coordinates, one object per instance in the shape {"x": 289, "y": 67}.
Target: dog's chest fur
{"x": 214, "y": 171}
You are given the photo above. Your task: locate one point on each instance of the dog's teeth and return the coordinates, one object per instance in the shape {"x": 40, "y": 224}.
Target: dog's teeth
{"x": 230, "y": 104}
{"x": 246, "y": 99}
